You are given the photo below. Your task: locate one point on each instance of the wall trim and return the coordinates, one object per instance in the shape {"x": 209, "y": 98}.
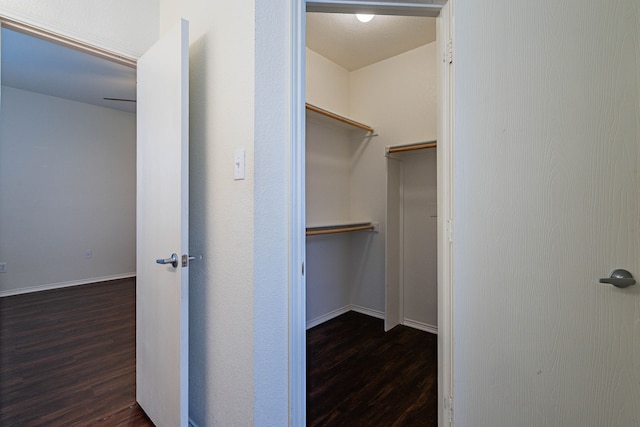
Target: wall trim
{"x": 51, "y": 286}
{"x": 368, "y": 311}
{"x": 420, "y": 326}
{"x": 342, "y": 310}
{"x": 328, "y": 316}
{"x": 36, "y": 27}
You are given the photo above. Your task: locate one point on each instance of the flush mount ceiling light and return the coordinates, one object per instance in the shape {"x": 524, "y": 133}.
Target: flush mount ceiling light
{"x": 364, "y": 17}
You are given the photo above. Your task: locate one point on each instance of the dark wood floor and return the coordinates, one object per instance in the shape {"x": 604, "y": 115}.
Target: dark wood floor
{"x": 67, "y": 357}
{"x": 358, "y": 375}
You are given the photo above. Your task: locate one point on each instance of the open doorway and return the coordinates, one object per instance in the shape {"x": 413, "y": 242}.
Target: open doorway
{"x": 68, "y": 166}
{"x": 67, "y": 218}
{"x": 371, "y": 215}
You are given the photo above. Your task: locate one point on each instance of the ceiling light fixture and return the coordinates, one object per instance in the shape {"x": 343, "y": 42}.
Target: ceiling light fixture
{"x": 364, "y": 17}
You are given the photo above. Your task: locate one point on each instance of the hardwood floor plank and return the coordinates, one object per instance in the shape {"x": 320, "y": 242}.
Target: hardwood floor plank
{"x": 67, "y": 357}
{"x": 358, "y": 375}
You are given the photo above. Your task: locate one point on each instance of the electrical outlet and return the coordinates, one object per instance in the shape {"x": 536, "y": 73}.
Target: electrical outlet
{"x": 3, "y": 267}
{"x": 87, "y": 254}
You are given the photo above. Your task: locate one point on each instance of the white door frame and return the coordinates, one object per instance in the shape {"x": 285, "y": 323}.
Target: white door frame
{"x": 297, "y": 285}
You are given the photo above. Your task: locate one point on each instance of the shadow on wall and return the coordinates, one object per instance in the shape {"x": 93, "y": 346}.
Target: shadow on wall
{"x": 199, "y": 180}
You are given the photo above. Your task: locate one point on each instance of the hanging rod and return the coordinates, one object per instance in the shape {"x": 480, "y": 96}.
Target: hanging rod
{"x": 334, "y": 229}
{"x": 412, "y": 147}
{"x": 338, "y": 117}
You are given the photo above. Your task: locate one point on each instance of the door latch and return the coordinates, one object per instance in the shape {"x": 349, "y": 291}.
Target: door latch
{"x": 186, "y": 259}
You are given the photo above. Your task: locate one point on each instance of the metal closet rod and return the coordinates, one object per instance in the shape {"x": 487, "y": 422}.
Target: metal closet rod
{"x": 339, "y": 117}
{"x": 412, "y": 147}
{"x": 318, "y": 231}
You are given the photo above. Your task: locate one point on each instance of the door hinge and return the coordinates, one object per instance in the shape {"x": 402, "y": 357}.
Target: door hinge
{"x": 449, "y": 53}
{"x": 448, "y": 407}
{"x": 450, "y": 230}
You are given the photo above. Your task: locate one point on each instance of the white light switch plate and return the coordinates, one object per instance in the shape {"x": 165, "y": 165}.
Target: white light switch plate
{"x": 239, "y": 164}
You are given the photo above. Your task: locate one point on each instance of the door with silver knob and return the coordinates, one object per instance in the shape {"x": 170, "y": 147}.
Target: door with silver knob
{"x": 162, "y": 291}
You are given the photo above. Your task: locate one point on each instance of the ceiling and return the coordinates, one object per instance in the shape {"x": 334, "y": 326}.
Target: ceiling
{"x": 36, "y": 65}
{"x": 352, "y": 44}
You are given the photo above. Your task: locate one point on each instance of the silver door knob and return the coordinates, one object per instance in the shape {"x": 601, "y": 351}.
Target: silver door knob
{"x": 620, "y": 279}
{"x": 173, "y": 260}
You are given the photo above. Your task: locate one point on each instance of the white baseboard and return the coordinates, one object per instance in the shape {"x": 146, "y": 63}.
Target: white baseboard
{"x": 328, "y": 316}
{"x": 335, "y": 313}
{"x": 61, "y": 285}
{"x": 421, "y": 326}
{"x": 368, "y": 311}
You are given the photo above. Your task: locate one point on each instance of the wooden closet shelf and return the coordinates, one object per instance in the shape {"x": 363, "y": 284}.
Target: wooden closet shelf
{"x": 343, "y": 228}
{"x": 338, "y": 117}
{"x": 411, "y": 147}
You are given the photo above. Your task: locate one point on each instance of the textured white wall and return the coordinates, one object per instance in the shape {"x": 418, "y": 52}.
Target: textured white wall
{"x": 271, "y": 207}
{"x": 547, "y": 136}
{"x": 127, "y": 27}
{"x": 327, "y": 84}
{"x": 327, "y": 164}
{"x": 67, "y": 184}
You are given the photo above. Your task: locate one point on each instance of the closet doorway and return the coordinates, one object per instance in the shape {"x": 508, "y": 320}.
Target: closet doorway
{"x": 361, "y": 200}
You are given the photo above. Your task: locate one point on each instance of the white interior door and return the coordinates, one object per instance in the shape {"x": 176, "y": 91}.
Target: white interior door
{"x": 162, "y": 230}
{"x": 547, "y": 202}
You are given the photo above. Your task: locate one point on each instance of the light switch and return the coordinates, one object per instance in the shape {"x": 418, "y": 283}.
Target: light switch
{"x": 239, "y": 164}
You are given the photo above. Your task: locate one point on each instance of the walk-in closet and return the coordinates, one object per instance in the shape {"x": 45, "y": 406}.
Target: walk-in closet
{"x": 371, "y": 204}
{"x": 371, "y": 213}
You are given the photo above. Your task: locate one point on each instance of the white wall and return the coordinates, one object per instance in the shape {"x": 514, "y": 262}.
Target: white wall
{"x": 327, "y": 84}
{"x": 67, "y": 185}
{"x": 328, "y": 191}
{"x": 327, "y": 163}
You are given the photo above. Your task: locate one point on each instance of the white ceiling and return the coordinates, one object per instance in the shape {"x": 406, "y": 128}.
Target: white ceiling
{"x": 352, "y": 44}
{"x": 30, "y": 63}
